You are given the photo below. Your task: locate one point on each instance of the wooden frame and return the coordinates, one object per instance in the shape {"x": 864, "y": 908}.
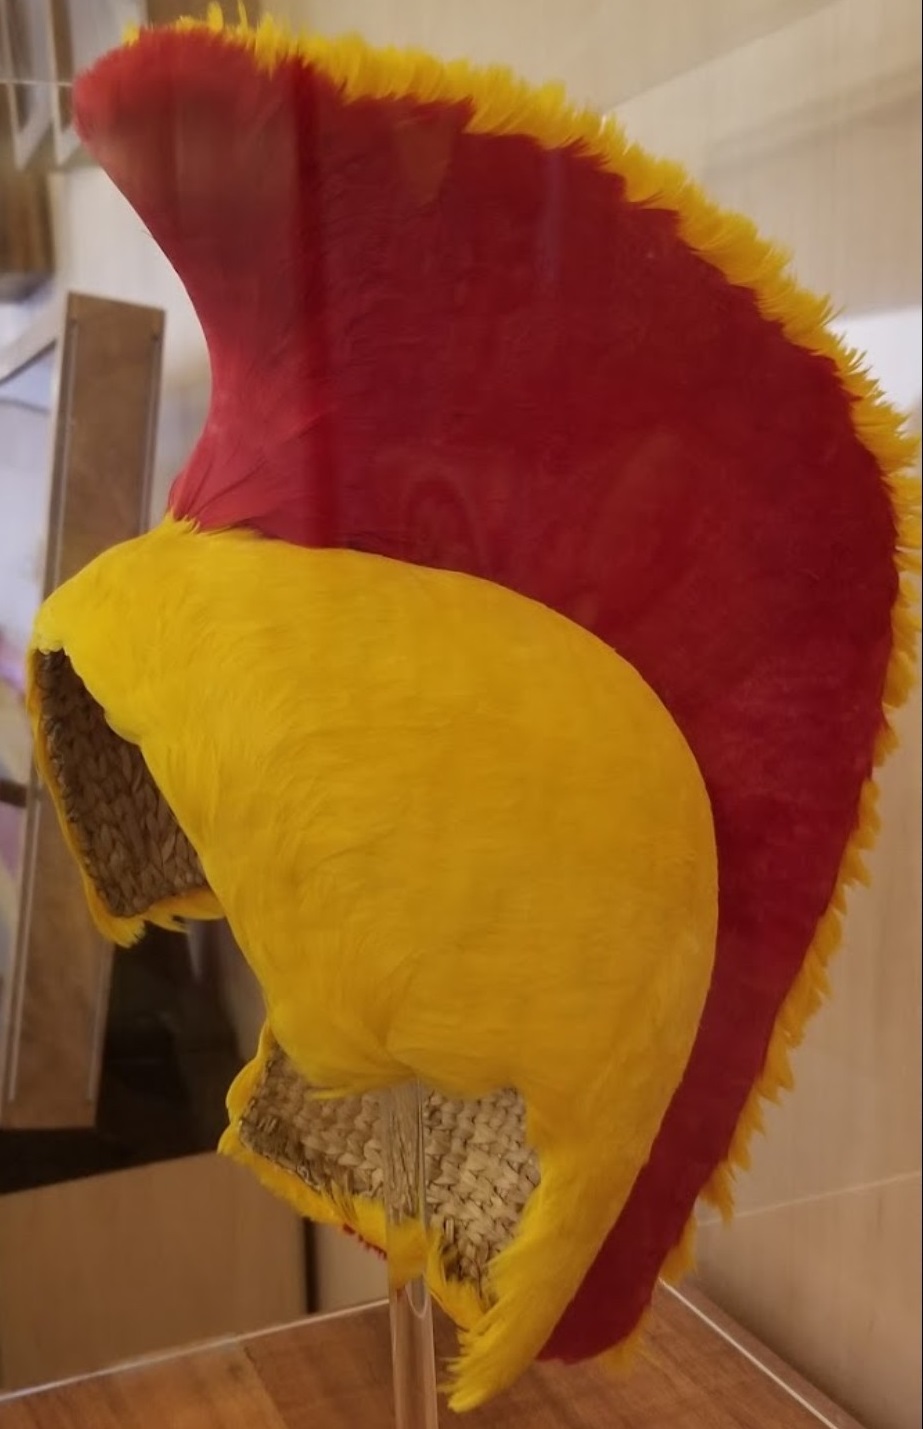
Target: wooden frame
{"x": 55, "y": 1006}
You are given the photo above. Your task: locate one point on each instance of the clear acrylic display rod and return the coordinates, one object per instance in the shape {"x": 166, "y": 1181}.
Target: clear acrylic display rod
{"x": 413, "y": 1355}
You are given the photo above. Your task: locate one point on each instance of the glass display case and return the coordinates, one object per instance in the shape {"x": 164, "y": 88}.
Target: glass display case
{"x": 804, "y": 115}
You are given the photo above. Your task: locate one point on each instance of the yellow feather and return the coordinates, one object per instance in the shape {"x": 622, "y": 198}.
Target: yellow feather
{"x": 432, "y": 811}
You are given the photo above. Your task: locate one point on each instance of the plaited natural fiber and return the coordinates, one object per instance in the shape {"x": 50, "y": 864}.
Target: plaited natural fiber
{"x": 479, "y": 1170}
{"x": 132, "y": 847}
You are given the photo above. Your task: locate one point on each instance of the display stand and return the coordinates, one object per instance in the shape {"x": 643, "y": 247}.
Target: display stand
{"x": 412, "y": 1351}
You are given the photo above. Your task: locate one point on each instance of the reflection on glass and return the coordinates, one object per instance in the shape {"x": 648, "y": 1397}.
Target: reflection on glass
{"x": 25, "y": 425}
{"x": 804, "y": 114}
{"x": 21, "y": 57}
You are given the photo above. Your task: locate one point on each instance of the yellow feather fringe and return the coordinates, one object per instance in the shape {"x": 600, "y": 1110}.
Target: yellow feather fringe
{"x": 502, "y": 104}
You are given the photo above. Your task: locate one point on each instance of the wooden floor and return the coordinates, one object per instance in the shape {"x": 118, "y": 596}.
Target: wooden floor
{"x": 334, "y": 1373}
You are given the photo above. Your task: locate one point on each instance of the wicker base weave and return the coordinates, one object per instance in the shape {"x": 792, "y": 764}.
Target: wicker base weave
{"x": 479, "y": 1171}
{"x": 130, "y": 844}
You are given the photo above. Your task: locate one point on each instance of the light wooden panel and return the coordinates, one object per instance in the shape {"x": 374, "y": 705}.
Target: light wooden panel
{"x": 105, "y": 1269}
{"x": 109, "y": 383}
{"x": 336, "y": 1374}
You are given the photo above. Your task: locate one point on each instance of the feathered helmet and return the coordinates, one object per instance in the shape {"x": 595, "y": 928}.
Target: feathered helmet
{"x": 511, "y": 665}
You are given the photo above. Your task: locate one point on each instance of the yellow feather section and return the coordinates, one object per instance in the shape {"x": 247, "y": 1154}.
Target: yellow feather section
{"x": 461, "y": 812}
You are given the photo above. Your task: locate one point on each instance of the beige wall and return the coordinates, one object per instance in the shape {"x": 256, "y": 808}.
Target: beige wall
{"x": 98, "y": 1271}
